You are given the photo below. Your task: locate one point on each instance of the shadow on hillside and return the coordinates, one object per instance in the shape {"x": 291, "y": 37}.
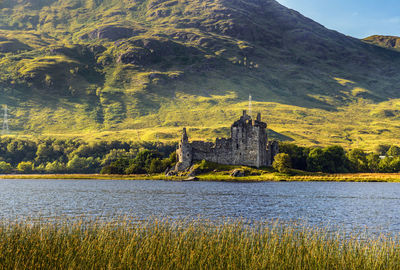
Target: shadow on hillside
{"x": 273, "y": 135}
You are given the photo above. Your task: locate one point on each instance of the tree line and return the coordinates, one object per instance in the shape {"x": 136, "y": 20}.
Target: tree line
{"x": 119, "y": 157}
{"x": 335, "y": 159}
{"x": 77, "y": 156}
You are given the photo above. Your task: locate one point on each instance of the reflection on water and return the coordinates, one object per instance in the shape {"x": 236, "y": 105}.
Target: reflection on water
{"x": 345, "y": 205}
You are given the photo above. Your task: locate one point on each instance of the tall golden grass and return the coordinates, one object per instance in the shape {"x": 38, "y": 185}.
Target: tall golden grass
{"x": 161, "y": 244}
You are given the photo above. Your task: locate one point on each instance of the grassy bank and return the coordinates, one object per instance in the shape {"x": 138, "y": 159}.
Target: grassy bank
{"x": 312, "y": 177}
{"x": 188, "y": 245}
{"x": 225, "y": 177}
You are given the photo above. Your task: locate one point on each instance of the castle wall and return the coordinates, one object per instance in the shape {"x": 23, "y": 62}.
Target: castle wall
{"x": 248, "y": 146}
{"x": 249, "y": 142}
{"x": 220, "y": 152}
{"x": 272, "y": 151}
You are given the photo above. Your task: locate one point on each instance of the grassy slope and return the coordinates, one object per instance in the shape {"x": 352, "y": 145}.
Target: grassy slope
{"x": 144, "y": 69}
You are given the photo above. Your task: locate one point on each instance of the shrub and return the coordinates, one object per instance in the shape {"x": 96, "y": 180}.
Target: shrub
{"x": 156, "y": 166}
{"x": 373, "y": 162}
{"x": 331, "y": 159}
{"x": 82, "y": 165}
{"x": 110, "y": 169}
{"x": 282, "y": 163}
{"x": 170, "y": 161}
{"x": 144, "y": 158}
{"x": 135, "y": 168}
{"x": 114, "y": 155}
{"x": 25, "y": 167}
{"x": 389, "y": 165}
{"x": 395, "y": 164}
{"x": 358, "y": 160}
{"x": 5, "y": 167}
{"x": 298, "y": 155}
{"x": 394, "y": 151}
{"x": 55, "y": 167}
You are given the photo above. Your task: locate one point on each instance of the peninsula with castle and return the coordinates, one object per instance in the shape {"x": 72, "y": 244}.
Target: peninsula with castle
{"x": 247, "y": 146}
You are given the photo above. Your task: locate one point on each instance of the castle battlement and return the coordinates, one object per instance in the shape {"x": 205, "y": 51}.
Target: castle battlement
{"x": 248, "y": 145}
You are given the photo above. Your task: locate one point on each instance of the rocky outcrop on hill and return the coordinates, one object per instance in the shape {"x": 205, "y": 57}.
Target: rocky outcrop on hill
{"x": 390, "y": 42}
{"x": 112, "y": 32}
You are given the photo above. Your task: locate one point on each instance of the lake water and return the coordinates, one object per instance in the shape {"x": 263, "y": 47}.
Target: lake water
{"x": 350, "y": 206}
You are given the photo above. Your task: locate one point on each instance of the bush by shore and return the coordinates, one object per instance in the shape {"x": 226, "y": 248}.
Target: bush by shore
{"x": 160, "y": 244}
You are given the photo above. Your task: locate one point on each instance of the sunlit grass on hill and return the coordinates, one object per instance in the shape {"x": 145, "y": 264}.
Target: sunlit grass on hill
{"x": 359, "y": 125}
{"x": 198, "y": 244}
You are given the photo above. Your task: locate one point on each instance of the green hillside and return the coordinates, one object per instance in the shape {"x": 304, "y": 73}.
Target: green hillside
{"x": 143, "y": 69}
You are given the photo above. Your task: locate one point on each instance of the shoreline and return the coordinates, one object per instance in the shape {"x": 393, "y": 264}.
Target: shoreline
{"x": 270, "y": 177}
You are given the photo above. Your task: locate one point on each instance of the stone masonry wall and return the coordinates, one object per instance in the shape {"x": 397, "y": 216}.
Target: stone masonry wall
{"x": 220, "y": 152}
{"x": 248, "y": 146}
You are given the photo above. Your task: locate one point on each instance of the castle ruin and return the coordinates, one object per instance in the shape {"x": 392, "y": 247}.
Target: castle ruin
{"x": 248, "y": 145}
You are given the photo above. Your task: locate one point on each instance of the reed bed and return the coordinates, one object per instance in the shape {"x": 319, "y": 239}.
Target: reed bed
{"x": 161, "y": 244}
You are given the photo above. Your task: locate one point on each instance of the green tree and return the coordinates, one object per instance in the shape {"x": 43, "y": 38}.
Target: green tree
{"x": 282, "y": 163}
{"x": 316, "y": 160}
{"x": 116, "y": 154}
{"x": 156, "y": 166}
{"x": 358, "y": 160}
{"x": 338, "y": 161}
{"x": 373, "y": 161}
{"x": 389, "y": 165}
{"x": 394, "y": 151}
{"x": 170, "y": 161}
{"x": 83, "y": 165}
{"x": 116, "y": 167}
{"x": 298, "y": 155}
{"x": 55, "y": 167}
{"x": 25, "y": 167}
{"x": 5, "y": 167}
{"x": 45, "y": 153}
{"x": 144, "y": 158}
{"x": 395, "y": 165}
{"x": 331, "y": 159}
{"x": 20, "y": 150}
{"x": 142, "y": 162}
{"x": 384, "y": 165}
{"x": 135, "y": 168}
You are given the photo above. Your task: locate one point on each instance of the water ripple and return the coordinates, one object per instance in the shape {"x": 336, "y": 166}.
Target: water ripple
{"x": 346, "y": 205}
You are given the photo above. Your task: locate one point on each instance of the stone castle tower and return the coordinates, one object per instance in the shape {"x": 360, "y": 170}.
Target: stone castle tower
{"x": 247, "y": 146}
{"x": 184, "y": 153}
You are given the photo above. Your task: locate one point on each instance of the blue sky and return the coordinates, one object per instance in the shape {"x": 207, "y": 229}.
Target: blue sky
{"x": 357, "y": 18}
